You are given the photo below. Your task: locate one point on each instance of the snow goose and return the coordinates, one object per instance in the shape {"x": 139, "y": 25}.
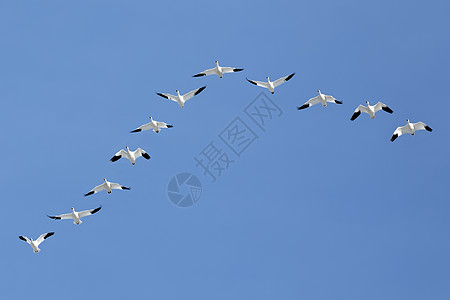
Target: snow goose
{"x": 130, "y": 155}
{"x": 108, "y": 186}
{"x": 370, "y": 109}
{"x": 410, "y": 128}
{"x": 218, "y": 70}
{"x": 181, "y": 99}
{"x": 321, "y": 98}
{"x": 76, "y": 216}
{"x": 35, "y": 244}
{"x": 156, "y": 126}
{"x": 271, "y": 85}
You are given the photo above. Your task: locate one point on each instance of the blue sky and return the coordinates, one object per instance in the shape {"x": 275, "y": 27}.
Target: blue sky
{"x": 318, "y": 207}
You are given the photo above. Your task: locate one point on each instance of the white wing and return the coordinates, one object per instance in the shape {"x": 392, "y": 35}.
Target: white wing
{"x": 310, "y": 102}
{"x": 193, "y": 93}
{"x": 116, "y": 186}
{"x": 88, "y": 212}
{"x": 97, "y": 189}
{"x": 421, "y": 126}
{"x": 43, "y": 237}
{"x": 61, "y": 217}
{"x": 358, "y": 111}
{"x": 144, "y": 127}
{"x": 259, "y": 83}
{"x": 282, "y": 80}
{"x": 331, "y": 99}
{"x": 230, "y": 70}
{"x": 381, "y": 106}
{"x": 24, "y": 238}
{"x": 168, "y": 96}
{"x": 118, "y": 155}
{"x": 207, "y": 72}
{"x": 163, "y": 125}
{"x": 399, "y": 131}
{"x": 141, "y": 152}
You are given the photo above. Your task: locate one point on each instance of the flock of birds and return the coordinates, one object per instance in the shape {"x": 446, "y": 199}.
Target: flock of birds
{"x": 156, "y": 126}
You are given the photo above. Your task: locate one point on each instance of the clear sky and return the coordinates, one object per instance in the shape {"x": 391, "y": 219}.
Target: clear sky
{"x": 316, "y": 207}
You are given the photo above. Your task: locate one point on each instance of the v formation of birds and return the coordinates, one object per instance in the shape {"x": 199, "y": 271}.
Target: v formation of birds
{"x": 156, "y": 126}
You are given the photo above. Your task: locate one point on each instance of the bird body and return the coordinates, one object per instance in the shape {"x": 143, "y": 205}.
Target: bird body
{"x": 108, "y": 186}
{"x": 130, "y": 155}
{"x": 35, "y": 244}
{"x": 75, "y": 215}
{"x": 321, "y": 98}
{"x": 218, "y": 70}
{"x": 152, "y": 125}
{"x": 370, "y": 110}
{"x": 271, "y": 85}
{"x": 410, "y": 128}
{"x": 181, "y": 99}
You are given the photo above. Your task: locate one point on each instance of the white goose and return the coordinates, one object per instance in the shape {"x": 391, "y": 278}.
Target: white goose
{"x": 76, "y": 216}
{"x": 410, "y": 128}
{"x": 321, "y": 98}
{"x": 108, "y": 186}
{"x": 218, "y": 70}
{"x": 370, "y": 109}
{"x": 271, "y": 85}
{"x": 35, "y": 244}
{"x": 154, "y": 125}
{"x": 130, "y": 155}
{"x": 181, "y": 99}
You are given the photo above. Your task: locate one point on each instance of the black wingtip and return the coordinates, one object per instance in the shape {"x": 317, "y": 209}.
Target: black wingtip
{"x": 428, "y": 128}
{"x": 90, "y": 193}
{"x": 169, "y": 126}
{"x": 200, "y": 90}
{"x": 199, "y": 75}
{"x": 54, "y": 218}
{"x": 237, "y": 70}
{"x": 289, "y": 77}
{"x": 303, "y": 106}
{"x": 125, "y": 188}
{"x": 394, "y": 137}
{"x": 355, "y": 115}
{"x": 115, "y": 158}
{"x": 162, "y": 95}
{"x": 338, "y": 102}
{"x": 145, "y": 155}
{"x": 136, "y": 130}
{"x": 387, "y": 109}
{"x": 252, "y": 82}
{"x": 96, "y": 210}
{"x": 48, "y": 235}
{"x": 22, "y": 238}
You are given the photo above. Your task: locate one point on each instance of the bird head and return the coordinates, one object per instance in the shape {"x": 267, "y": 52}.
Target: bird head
{"x": 72, "y": 209}
{"x": 367, "y": 102}
{"x": 127, "y": 148}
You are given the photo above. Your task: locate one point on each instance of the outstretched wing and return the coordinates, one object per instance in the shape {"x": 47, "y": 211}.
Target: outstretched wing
{"x": 358, "y": 111}
{"x": 118, "y": 155}
{"x": 193, "y": 93}
{"x": 24, "y": 238}
{"x": 144, "y": 127}
{"x": 43, "y": 237}
{"x": 422, "y": 126}
{"x": 206, "y": 72}
{"x": 168, "y": 96}
{"x": 230, "y": 70}
{"x": 96, "y": 189}
{"x": 331, "y": 99}
{"x": 141, "y": 152}
{"x": 61, "y": 217}
{"x": 310, "y": 102}
{"x": 381, "y": 106}
{"x": 88, "y": 212}
{"x": 282, "y": 80}
{"x": 163, "y": 125}
{"x": 116, "y": 186}
{"x": 259, "y": 83}
{"x": 398, "y": 132}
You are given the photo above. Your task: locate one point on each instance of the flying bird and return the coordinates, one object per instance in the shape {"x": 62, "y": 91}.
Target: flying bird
{"x": 130, "y": 155}
{"x": 181, "y": 99}
{"x": 410, "y": 128}
{"x": 154, "y": 125}
{"x": 218, "y": 70}
{"x": 321, "y": 98}
{"x": 35, "y": 244}
{"x": 76, "y": 216}
{"x": 108, "y": 186}
{"x": 271, "y": 85}
{"x": 370, "y": 109}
